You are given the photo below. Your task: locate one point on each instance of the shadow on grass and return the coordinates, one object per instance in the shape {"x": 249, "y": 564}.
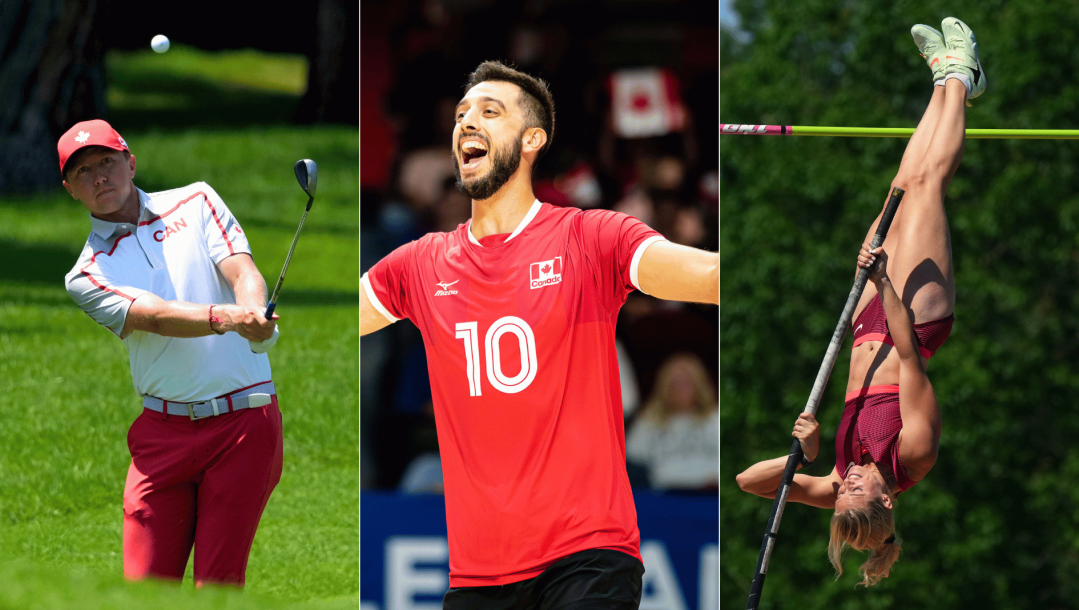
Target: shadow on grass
{"x": 169, "y": 101}
{"x": 35, "y": 298}
{"x": 39, "y": 264}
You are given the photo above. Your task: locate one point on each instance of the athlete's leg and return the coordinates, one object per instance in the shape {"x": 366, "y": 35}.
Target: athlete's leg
{"x": 913, "y": 156}
{"x": 244, "y": 456}
{"x": 159, "y": 528}
{"x": 919, "y": 143}
{"x": 921, "y": 259}
{"x": 159, "y": 500}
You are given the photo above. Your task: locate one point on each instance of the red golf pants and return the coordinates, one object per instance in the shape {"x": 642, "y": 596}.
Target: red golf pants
{"x": 202, "y": 483}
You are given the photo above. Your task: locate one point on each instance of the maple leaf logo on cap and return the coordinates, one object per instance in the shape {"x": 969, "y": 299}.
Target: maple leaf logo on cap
{"x": 122, "y": 142}
{"x": 82, "y": 137}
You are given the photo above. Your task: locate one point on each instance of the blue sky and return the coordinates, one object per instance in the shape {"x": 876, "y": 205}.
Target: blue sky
{"x": 727, "y": 16}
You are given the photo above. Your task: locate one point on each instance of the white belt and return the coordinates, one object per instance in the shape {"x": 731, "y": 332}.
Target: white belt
{"x": 255, "y": 396}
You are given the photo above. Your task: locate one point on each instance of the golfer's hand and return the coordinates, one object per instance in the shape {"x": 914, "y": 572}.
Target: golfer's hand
{"x": 876, "y": 260}
{"x": 249, "y": 322}
{"x": 807, "y": 431}
{"x": 261, "y": 347}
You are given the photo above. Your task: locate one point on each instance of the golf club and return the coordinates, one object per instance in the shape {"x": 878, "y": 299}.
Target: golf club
{"x": 307, "y": 176}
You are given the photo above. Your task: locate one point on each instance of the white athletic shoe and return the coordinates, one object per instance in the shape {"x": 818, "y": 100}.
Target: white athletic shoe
{"x": 932, "y": 48}
{"x": 962, "y": 55}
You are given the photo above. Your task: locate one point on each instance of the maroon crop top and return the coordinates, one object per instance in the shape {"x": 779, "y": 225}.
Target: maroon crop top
{"x": 871, "y": 424}
{"x": 872, "y": 325}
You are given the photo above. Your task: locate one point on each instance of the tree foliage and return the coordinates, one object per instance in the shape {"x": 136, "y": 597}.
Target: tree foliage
{"x": 994, "y": 523}
{"x": 51, "y": 76}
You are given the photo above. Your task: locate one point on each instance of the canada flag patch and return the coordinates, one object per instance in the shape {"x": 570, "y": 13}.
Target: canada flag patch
{"x": 545, "y": 273}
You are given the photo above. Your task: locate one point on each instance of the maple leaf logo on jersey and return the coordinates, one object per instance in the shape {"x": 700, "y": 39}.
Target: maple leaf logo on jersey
{"x": 545, "y": 273}
{"x": 445, "y": 288}
{"x": 82, "y": 137}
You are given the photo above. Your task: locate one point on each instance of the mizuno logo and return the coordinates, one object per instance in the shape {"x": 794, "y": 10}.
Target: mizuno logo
{"x": 445, "y": 288}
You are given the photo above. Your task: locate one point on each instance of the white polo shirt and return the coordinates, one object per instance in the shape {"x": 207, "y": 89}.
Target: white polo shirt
{"x": 173, "y": 253}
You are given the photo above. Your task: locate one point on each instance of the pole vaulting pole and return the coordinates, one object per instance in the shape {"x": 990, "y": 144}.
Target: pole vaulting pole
{"x": 795, "y": 456}
{"x": 894, "y": 132}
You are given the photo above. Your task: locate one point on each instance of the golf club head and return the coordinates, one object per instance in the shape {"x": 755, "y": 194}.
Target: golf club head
{"x": 307, "y": 176}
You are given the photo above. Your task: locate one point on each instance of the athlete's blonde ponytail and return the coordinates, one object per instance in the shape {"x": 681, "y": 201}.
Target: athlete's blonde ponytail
{"x": 865, "y": 528}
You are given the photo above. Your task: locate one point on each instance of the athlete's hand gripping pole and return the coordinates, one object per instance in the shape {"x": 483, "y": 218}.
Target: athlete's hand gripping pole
{"x": 795, "y": 456}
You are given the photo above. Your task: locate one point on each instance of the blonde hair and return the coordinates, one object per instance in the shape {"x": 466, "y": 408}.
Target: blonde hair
{"x": 656, "y": 406}
{"x": 865, "y": 528}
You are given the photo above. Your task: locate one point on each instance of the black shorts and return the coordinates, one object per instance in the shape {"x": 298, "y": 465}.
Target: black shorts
{"x": 597, "y": 579}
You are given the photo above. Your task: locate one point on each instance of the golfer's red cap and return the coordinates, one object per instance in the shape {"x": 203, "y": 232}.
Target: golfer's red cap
{"x": 88, "y": 133}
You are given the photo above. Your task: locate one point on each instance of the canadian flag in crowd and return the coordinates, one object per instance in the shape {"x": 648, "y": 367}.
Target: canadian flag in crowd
{"x": 646, "y": 102}
{"x": 545, "y": 273}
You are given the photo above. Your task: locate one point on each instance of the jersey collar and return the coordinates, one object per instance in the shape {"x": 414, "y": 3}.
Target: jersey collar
{"x": 106, "y": 230}
{"x": 532, "y": 211}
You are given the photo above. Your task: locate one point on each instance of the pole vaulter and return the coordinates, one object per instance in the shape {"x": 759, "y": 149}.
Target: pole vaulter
{"x": 889, "y": 434}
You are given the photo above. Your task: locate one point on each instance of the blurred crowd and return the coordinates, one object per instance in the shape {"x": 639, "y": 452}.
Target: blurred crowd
{"x": 636, "y": 97}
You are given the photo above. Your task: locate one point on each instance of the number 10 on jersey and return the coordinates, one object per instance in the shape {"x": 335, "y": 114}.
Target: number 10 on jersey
{"x": 469, "y": 332}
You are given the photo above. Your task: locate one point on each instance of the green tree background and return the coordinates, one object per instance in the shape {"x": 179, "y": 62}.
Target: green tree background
{"x": 996, "y": 523}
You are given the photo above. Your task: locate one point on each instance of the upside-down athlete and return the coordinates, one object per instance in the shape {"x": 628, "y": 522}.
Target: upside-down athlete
{"x": 890, "y": 430}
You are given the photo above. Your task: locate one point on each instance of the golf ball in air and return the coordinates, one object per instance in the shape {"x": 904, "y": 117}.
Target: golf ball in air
{"x": 159, "y": 44}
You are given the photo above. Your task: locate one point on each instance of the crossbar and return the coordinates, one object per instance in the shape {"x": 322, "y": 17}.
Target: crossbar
{"x": 893, "y": 132}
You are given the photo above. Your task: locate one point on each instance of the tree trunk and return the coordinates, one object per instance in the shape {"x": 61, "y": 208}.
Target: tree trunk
{"x": 333, "y": 90}
{"x": 51, "y": 76}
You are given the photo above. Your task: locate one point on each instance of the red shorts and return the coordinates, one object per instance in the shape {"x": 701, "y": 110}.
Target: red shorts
{"x": 200, "y": 483}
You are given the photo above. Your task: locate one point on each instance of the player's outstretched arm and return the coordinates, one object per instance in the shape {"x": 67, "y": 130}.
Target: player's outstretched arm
{"x": 763, "y": 478}
{"x": 679, "y": 273}
{"x": 370, "y": 318}
{"x": 150, "y": 313}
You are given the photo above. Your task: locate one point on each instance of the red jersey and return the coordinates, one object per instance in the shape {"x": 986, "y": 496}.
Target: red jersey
{"x": 519, "y": 334}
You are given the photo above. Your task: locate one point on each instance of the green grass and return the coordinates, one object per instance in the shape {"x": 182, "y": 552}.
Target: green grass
{"x": 29, "y": 587}
{"x": 237, "y": 70}
{"x": 187, "y": 87}
{"x": 68, "y": 399}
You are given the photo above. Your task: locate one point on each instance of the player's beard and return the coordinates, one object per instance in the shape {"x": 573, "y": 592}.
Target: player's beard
{"x": 504, "y": 163}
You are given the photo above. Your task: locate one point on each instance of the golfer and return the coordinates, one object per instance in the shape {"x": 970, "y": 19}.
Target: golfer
{"x": 171, "y": 275}
{"x": 517, "y": 309}
{"x": 890, "y": 431}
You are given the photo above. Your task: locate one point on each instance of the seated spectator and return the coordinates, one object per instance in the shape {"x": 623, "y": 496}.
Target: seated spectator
{"x": 676, "y": 436}
{"x": 423, "y": 475}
